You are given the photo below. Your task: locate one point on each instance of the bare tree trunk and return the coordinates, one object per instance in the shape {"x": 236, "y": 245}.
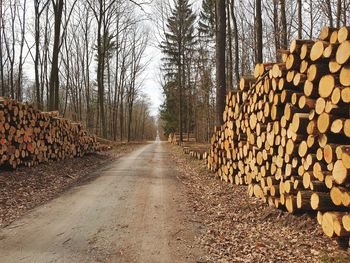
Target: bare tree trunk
{"x": 259, "y": 33}
{"x": 180, "y": 87}
{"x": 121, "y": 114}
{"x": 20, "y": 63}
{"x": 44, "y": 64}
{"x": 54, "y": 80}
{"x": 1, "y": 54}
{"x": 300, "y": 19}
{"x": 345, "y": 9}
{"x": 89, "y": 118}
{"x": 284, "y": 43}
{"x": 311, "y": 19}
{"x": 230, "y": 55}
{"x": 37, "y": 53}
{"x": 116, "y": 90}
{"x": 235, "y": 34}
{"x": 11, "y": 55}
{"x": 276, "y": 29}
{"x": 329, "y": 12}
{"x": 339, "y": 11}
{"x": 220, "y": 60}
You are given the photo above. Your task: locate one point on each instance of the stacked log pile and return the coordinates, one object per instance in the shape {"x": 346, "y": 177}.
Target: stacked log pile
{"x": 29, "y": 137}
{"x": 190, "y": 146}
{"x": 286, "y": 132}
{"x": 198, "y": 151}
{"x": 174, "y": 138}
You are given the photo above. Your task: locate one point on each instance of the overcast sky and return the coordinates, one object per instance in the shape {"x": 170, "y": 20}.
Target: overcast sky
{"x": 152, "y": 87}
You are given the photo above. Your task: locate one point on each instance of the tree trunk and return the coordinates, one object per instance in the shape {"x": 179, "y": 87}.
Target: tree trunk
{"x": 300, "y": 20}
{"x": 230, "y": 56}
{"x": 121, "y": 114}
{"x": 259, "y": 34}
{"x": 20, "y": 63}
{"x": 339, "y": 11}
{"x": 284, "y": 35}
{"x": 276, "y": 29}
{"x": 311, "y": 19}
{"x": 329, "y": 12}
{"x": 54, "y": 80}
{"x": 235, "y": 35}
{"x": 87, "y": 82}
{"x": 220, "y": 60}
{"x": 37, "y": 54}
{"x": 1, "y": 54}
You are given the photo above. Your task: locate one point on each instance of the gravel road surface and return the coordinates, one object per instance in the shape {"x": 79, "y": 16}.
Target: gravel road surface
{"x": 135, "y": 211}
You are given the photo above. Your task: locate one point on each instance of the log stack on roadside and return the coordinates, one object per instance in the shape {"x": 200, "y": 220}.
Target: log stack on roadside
{"x": 190, "y": 145}
{"x": 198, "y": 151}
{"x": 286, "y": 132}
{"x": 29, "y": 137}
{"x": 174, "y": 138}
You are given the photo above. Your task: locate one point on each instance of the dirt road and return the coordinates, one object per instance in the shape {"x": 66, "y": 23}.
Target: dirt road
{"x": 135, "y": 211}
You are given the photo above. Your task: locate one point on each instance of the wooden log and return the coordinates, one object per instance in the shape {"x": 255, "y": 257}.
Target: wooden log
{"x": 344, "y": 77}
{"x": 317, "y": 50}
{"x": 343, "y": 34}
{"x": 332, "y": 224}
{"x": 303, "y": 200}
{"x": 316, "y": 71}
{"x": 340, "y": 173}
{"x": 333, "y": 66}
{"x": 326, "y": 85}
{"x": 326, "y": 33}
{"x": 296, "y": 45}
{"x": 343, "y": 52}
{"x": 321, "y": 201}
{"x": 346, "y": 221}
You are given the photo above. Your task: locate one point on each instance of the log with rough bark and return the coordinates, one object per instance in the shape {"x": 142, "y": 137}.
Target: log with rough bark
{"x": 286, "y": 133}
{"x": 29, "y": 137}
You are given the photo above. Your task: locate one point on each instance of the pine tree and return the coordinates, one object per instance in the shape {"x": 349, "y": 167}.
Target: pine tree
{"x": 206, "y": 23}
{"x": 178, "y": 45}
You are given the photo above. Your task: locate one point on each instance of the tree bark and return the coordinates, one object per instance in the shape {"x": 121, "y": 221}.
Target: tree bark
{"x": 300, "y": 19}
{"x": 235, "y": 35}
{"x": 37, "y": 53}
{"x": 311, "y": 19}
{"x": 1, "y": 54}
{"x": 54, "y": 79}
{"x": 230, "y": 52}
{"x": 276, "y": 29}
{"x": 220, "y": 60}
{"x": 20, "y": 63}
{"x": 259, "y": 34}
{"x": 329, "y": 12}
{"x": 339, "y": 11}
{"x": 284, "y": 35}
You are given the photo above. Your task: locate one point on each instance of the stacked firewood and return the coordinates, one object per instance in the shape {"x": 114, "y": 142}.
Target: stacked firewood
{"x": 29, "y": 137}
{"x": 190, "y": 145}
{"x": 196, "y": 150}
{"x": 286, "y": 131}
{"x": 174, "y": 138}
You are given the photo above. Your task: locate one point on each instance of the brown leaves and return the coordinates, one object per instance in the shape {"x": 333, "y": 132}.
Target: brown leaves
{"x": 243, "y": 229}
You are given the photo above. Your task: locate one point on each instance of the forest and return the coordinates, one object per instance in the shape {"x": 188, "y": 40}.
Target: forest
{"x": 83, "y": 58}
{"x": 87, "y": 59}
{"x": 253, "y": 97}
{"x": 208, "y": 45}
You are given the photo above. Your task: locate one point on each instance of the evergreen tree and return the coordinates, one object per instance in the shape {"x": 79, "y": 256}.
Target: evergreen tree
{"x": 206, "y": 23}
{"x": 177, "y": 47}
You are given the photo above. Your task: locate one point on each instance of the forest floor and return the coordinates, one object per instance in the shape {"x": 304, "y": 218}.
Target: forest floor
{"x": 26, "y": 188}
{"x": 243, "y": 229}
